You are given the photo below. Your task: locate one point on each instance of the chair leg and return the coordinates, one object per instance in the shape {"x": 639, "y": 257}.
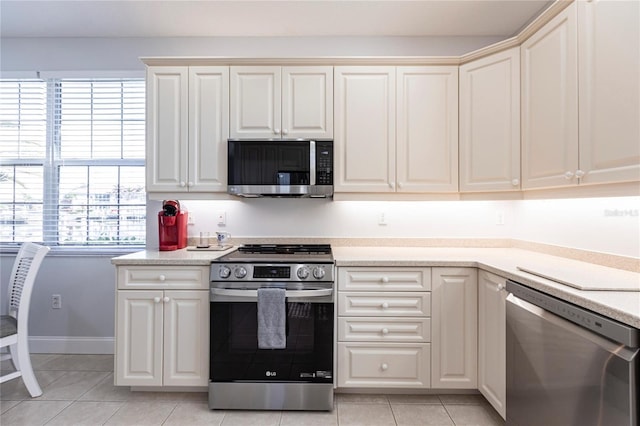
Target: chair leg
{"x": 24, "y": 361}
{"x": 13, "y": 350}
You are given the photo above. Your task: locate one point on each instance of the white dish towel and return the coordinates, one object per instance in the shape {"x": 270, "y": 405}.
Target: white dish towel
{"x": 272, "y": 318}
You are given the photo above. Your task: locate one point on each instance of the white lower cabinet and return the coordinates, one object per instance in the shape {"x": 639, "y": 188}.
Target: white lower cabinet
{"x": 454, "y": 332}
{"x": 162, "y": 335}
{"x": 384, "y": 327}
{"x": 492, "y": 323}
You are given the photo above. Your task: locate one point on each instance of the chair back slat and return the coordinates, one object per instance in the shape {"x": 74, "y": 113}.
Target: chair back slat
{"x": 22, "y": 269}
{"x": 25, "y": 269}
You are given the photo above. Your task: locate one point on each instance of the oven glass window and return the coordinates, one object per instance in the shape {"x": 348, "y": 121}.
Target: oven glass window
{"x": 235, "y": 356}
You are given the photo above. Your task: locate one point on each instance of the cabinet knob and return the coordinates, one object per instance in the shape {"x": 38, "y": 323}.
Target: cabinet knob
{"x": 162, "y": 278}
{"x": 515, "y": 182}
{"x": 499, "y": 288}
{"x": 385, "y": 331}
{"x": 166, "y": 299}
{"x": 285, "y": 131}
{"x": 385, "y": 279}
{"x": 384, "y": 366}
{"x": 392, "y": 185}
{"x": 276, "y": 131}
{"x": 400, "y": 184}
{"x": 183, "y": 184}
{"x": 156, "y": 299}
{"x": 580, "y": 174}
{"x": 568, "y": 175}
{"x": 189, "y": 184}
{"x": 385, "y": 305}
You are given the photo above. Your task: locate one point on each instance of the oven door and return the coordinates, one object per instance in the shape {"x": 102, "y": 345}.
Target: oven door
{"x": 234, "y": 353}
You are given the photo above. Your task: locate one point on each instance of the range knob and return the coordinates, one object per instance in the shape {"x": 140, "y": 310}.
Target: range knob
{"x": 303, "y": 273}
{"x": 240, "y": 272}
{"x": 224, "y": 272}
{"x": 318, "y": 272}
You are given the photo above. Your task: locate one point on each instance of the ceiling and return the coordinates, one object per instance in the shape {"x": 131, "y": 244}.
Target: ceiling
{"x": 205, "y": 18}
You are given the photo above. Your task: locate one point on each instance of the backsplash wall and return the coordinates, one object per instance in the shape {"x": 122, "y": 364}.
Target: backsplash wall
{"x": 609, "y": 225}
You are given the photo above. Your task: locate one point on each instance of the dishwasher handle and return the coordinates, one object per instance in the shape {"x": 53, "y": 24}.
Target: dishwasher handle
{"x": 515, "y": 306}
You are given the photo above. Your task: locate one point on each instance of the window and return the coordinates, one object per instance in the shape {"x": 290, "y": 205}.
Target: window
{"x": 72, "y": 162}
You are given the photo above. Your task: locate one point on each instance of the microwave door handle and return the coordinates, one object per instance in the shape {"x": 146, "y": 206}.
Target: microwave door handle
{"x": 312, "y": 162}
{"x": 253, "y": 294}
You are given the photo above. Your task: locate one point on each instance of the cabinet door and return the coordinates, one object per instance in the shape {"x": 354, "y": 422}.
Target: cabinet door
{"x": 492, "y": 347}
{"x": 255, "y": 102}
{"x": 427, "y": 129}
{"x": 609, "y": 72}
{"x": 383, "y": 365}
{"x": 167, "y": 131}
{"x": 550, "y": 104}
{"x": 209, "y": 128}
{"x": 490, "y": 123}
{"x": 307, "y": 102}
{"x": 365, "y": 111}
{"x": 139, "y": 338}
{"x": 454, "y": 328}
{"x": 186, "y": 343}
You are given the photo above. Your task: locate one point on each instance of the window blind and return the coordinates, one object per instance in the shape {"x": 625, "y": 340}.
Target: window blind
{"x": 89, "y": 176}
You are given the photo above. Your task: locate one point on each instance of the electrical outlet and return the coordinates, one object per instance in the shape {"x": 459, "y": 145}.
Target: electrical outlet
{"x": 382, "y": 219}
{"x": 221, "y": 218}
{"x": 56, "y": 301}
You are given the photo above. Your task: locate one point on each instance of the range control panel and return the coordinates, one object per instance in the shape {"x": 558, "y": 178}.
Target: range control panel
{"x": 314, "y": 272}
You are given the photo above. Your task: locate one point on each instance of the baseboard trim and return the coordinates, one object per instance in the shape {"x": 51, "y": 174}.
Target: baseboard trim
{"x": 71, "y": 345}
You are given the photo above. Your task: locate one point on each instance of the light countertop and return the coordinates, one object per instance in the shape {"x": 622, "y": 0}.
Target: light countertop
{"x": 623, "y": 306}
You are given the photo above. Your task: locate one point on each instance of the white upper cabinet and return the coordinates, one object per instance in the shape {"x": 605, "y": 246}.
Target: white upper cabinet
{"x": 490, "y": 123}
{"x": 427, "y": 129}
{"x": 187, "y": 128}
{"x": 581, "y": 97}
{"x": 365, "y": 111}
{"x": 208, "y": 128}
{"x": 549, "y": 104}
{"x": 167, "y": 133}
{"x": 396, "y": 129}
{"x": 609, "y": 90}
{"x": 281, "y": 102}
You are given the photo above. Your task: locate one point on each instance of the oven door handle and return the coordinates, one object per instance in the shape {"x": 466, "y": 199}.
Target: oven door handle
{"x": 290, "y": 294}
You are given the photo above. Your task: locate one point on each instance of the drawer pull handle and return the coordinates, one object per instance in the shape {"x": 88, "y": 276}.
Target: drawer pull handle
{"x": 384, "y": 366}
{"x": 162, "y": 278}
{"x": 385, "y": 279}
{"x": 156, "y": 299}
{"x": 385, "y": 331}
{"x": 385, "y": 305}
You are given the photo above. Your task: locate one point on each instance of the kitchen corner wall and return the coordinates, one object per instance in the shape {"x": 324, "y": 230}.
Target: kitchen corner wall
{"x": 609, "y": 225}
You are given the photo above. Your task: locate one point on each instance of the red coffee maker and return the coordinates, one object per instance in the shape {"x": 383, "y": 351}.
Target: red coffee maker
{"x": 172, "y": 226}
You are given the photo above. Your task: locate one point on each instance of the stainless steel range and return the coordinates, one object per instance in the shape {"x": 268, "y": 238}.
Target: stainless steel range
{"x": 272, "y": 328}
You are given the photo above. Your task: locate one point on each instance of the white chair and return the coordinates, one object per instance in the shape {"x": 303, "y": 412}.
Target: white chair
{"x": 14, "y": 326}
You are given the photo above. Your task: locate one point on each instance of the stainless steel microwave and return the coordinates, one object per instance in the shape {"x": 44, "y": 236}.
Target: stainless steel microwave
{"x": 280, "y": 168}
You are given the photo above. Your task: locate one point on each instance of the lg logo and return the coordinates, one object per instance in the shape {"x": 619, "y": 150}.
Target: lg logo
{"x": 270, "y": 374}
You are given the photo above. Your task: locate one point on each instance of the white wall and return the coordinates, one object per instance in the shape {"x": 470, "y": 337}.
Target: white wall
{"x": 608, "y": 225}
{"x": 109, "y": 54}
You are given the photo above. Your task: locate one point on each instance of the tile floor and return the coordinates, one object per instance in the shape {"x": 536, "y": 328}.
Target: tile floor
{"x": 78, "y": 390}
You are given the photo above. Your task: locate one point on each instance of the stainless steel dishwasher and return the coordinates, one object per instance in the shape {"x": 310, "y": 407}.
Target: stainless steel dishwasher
{"x": 567, "y": 365}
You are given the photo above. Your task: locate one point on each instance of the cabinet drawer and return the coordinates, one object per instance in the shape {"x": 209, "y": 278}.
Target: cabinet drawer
{"x": 163, "y": 277}
{"x": 408, "y": 330}
{"x": 384, "y": 304}
{"x": 377, "y": 279}
{"x": 384, "y": 365}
